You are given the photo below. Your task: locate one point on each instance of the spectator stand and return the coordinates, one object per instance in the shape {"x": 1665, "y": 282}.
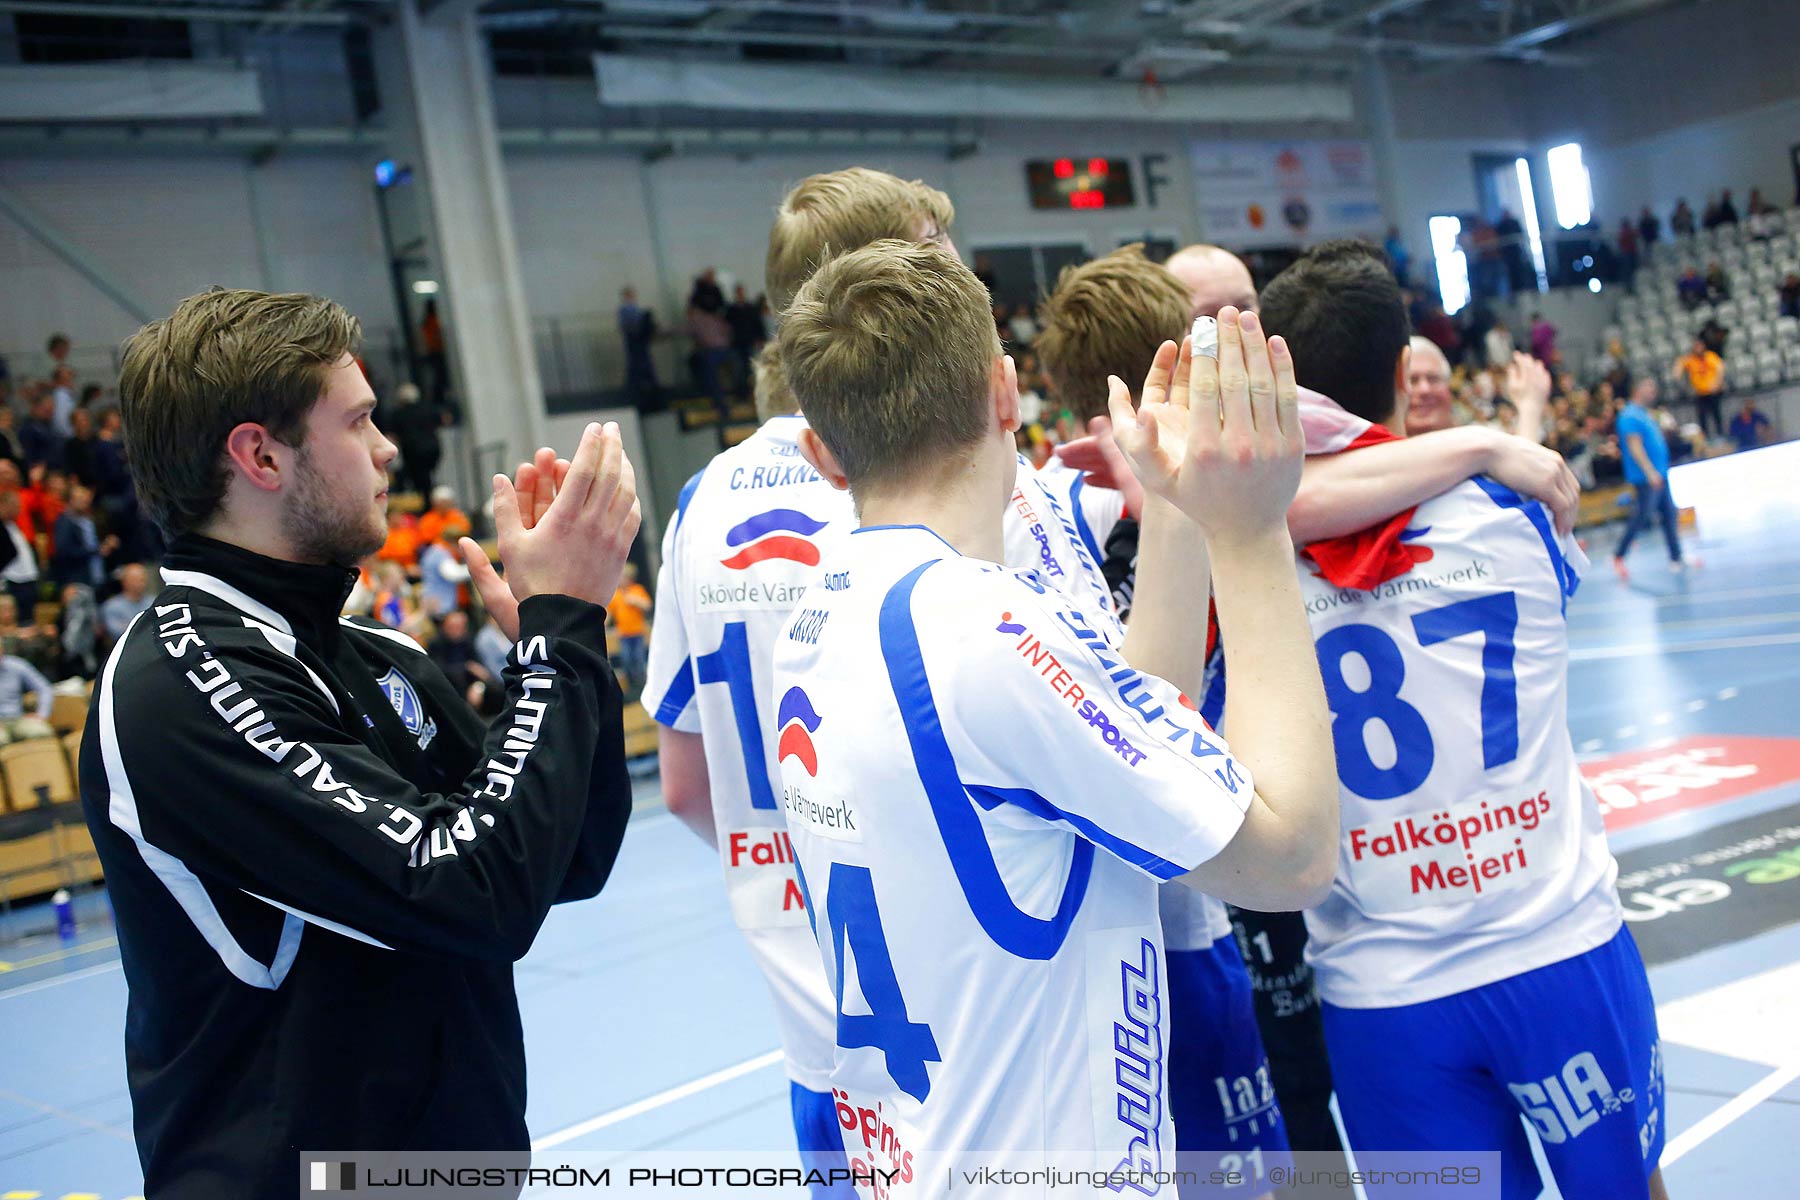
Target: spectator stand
{"x": 1762, "y": 347}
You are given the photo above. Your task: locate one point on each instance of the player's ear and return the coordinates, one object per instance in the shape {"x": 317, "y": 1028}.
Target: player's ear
{"x": 1003, "y": 392}
{"x": 814, "y": 450}
{"x": 257, "y": 457}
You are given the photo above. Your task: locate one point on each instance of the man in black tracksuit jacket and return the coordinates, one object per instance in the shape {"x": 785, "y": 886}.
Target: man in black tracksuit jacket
{"x": 322, "y": 864}
{"x": 318, "y": 909}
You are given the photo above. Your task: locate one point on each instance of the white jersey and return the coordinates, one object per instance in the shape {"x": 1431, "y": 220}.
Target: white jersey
{"x": 1095, "y": 510}
{"x": 747, "y": 538}
{"x": 983, "y": 799}
{"x": 1471, "y": 848}
{"x": 1191, "y": 920}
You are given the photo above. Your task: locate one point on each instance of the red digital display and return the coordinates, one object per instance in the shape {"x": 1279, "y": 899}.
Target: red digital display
{"x": 1080, "y": 183}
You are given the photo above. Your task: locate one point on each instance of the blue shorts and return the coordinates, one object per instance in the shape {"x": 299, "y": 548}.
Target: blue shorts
{"x": 1571, "y": 1046}
{"x": 821, "y": 1141}
{"x": 1220, "y": 1092}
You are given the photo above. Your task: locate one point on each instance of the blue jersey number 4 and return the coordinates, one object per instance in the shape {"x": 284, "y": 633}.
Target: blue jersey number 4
{"x": 907, "y": 1045}
{"x": 1495, "y": 618}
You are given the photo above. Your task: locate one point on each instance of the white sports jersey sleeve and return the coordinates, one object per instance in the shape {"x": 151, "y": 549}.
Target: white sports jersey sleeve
{"x": 1086, "y": 514}
{"x": 1471, "y": 848}
{"x": 1044, "y": 532}
{"x": 1165, "y": 796}
{"x": 1095, "y": 509}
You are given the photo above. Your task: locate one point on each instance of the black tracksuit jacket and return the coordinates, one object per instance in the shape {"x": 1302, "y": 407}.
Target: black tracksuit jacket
{"x": 323, "y": 866}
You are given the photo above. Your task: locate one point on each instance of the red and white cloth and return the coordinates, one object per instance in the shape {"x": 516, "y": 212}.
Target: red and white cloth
{"x": 1369, "y": 557}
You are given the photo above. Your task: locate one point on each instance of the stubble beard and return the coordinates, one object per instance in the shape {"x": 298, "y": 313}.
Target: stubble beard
{"x": 325, "y": 527}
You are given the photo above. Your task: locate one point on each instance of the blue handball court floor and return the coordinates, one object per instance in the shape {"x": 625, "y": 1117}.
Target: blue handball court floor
{"x": 649, "y": 1029}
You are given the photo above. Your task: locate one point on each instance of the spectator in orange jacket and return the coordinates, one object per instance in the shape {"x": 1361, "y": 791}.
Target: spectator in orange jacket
{"x": 443, "y": 514}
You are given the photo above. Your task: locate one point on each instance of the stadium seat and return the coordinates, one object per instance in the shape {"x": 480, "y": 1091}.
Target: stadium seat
{"x": 36, "y": 774}
{"x": 1787, "y": 329}
{"x": 28, "y": 857}
{"x": 68, "y": 712}
{"x": 1768, "y": 367}
{"x": 76, "y": 858}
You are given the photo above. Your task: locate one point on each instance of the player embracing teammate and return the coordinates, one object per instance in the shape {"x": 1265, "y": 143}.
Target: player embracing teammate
{"x": 1472, "y": 956}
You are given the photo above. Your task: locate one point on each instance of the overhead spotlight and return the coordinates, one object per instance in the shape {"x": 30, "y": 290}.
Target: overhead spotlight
{"x": 425, "y": 287}
{"x": 1594, "y": 285}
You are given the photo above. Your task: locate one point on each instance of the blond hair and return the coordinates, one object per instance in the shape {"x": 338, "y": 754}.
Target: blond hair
{"x": 889, "y": 349}
{"x": 221, "y": 359}
{"x": 773, "y": 396}
{"x": 839, "y": 211}
{"x": 1107, "y": 317}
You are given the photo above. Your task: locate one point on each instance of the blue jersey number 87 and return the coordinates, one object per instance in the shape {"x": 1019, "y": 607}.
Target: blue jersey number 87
{"x": 1494, "y": 617}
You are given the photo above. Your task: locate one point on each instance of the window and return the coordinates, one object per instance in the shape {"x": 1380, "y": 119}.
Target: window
{"x": 1569, "y": 186}
{"x": 1452, "y": 263}
{"x": 1528, "y": 202}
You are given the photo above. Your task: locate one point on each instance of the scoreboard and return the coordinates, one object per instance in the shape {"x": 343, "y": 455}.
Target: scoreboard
{"x": 1080, "y": 183}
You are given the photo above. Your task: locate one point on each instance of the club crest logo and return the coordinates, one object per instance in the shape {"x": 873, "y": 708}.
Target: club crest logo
{"x": 411, "y": 710}
{"x": 778, "y": 533}
{"x": 798, "y": 721}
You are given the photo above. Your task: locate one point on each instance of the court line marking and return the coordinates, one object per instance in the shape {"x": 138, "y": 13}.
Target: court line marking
{"x": 71, "y": 977}
{"x": 105, "y": 943}
{"x": 1646, "y": 649}
{"x": 1751, "y": 593}
{"x": 1719, "y": 1118}
{"x": 660, "y": 1100}
{"x": 51, "y": 1110}
{"x": 1775, "y": 618}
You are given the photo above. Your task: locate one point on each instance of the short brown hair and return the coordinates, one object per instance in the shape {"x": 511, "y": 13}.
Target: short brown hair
{"x": 889, "y": 350}
{"x": 773, "y": 396}
{"x": 221, "y": 359}
{"x": 839, "y": 211}
{"x": 1107, "y": 317}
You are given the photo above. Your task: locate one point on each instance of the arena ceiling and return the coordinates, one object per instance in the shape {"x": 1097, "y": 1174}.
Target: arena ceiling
{"x": 1175, "y": 40}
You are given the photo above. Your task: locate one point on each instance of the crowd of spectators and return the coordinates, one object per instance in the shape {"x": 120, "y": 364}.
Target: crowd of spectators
{"x": 78, "y": 558}
{"x": 74, "y": 547}
{"x": 418, "y": 583}
{"x": 723, "y": 338}
{"x": 1042, "y": 426}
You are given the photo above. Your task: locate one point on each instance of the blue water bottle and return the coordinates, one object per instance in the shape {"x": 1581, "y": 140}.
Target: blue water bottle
{"x": 65, "y": 914}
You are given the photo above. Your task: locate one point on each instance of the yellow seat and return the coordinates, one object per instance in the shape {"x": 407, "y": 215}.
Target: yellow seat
{"x": 75, "y": 853}
{"x": 68, "y": 712}
{"x": 36, "y": 773}
{"x": 29, "y": 865}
